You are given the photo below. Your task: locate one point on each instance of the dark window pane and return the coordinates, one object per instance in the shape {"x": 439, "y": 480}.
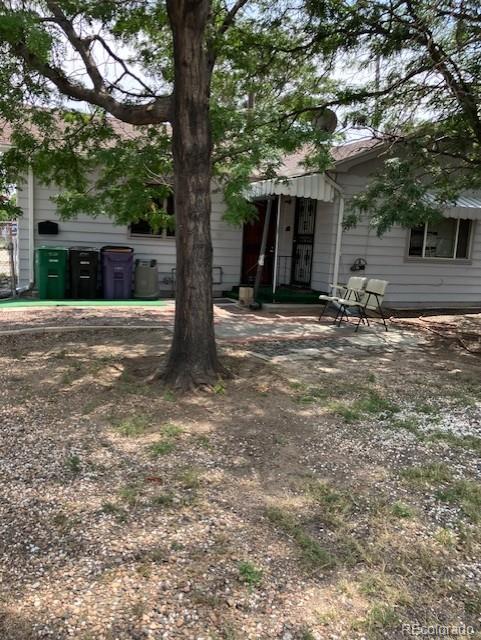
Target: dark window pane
{"x": 462, "y": 250}
{"x": 416, "y": 241}
{"x": 170, "y": 211}
{"x": 142, "y": 227}
{"x": 440, "y": 239}
{"x": 170, "y": 205}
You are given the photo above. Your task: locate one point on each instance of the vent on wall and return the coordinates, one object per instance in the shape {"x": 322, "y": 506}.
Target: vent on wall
{"x": 47, "y": 228}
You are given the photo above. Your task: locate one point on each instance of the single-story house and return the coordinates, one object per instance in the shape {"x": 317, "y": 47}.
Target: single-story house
{"x": 435, "y": 266}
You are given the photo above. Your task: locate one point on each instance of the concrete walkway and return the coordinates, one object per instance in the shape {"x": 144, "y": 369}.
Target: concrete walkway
{"x": 282, "y": 338}
{"x": 276, "y": 337}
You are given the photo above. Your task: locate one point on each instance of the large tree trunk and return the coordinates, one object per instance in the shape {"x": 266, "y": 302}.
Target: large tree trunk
{"x": 193, "y": 357}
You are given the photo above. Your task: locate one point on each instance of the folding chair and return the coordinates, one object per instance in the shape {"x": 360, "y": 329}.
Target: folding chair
{"x": 371, "y": 300}
{"x": 352, "y": 290}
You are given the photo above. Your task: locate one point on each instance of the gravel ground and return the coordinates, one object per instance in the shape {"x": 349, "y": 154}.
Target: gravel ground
{"x": 29, "y": 317}
{"x": 21, "y": 318}
{"x": 324, "y": 499}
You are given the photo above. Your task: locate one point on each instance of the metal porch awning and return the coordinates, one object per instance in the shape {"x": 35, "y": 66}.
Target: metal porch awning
{"x": 316, "y": 186}
{"x": 466, "y": 207}
{"x": 313, "y": 185}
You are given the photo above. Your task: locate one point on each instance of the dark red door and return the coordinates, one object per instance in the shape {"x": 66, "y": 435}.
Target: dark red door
{"x": 252, "y": 246}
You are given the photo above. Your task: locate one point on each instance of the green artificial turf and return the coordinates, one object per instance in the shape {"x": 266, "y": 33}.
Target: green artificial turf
{"x": 33, "y": 302}
{"x": 283, "y": 294}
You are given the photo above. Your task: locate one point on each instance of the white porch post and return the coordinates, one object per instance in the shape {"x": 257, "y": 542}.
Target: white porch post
{"x": 276, "y": 249}
{"x": 337, "y": 253}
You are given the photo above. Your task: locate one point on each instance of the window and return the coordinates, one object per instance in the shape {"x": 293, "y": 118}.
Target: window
{"x": 448, "y": 239}
{"x": 144, "y": 228}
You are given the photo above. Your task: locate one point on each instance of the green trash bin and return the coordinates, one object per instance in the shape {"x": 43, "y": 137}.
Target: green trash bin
{"x": 51, "y": 272}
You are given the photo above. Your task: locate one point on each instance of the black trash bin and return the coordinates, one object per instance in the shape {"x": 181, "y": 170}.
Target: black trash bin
{"x": 84, "y": 267}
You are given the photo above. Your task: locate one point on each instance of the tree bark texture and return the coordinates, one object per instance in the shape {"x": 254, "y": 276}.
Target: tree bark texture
{"x": 193, "y": 359}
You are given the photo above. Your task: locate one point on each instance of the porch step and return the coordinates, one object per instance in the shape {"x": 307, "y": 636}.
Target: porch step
{"x": 280, "y": 307}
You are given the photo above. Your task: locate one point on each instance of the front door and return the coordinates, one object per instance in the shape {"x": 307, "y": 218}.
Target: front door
{"x": 251, "y": 246}
{"x": 303, "y": 241}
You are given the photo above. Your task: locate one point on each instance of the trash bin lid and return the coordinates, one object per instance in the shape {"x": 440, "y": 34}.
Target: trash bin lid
{"x": 50, "y": 248}
{"x": 146, "y": 263}
{"x": 116, "y": 249}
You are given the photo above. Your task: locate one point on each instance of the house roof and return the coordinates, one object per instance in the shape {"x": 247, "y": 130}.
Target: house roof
{"x": 291, "y": 168}
{"x": 5, "y": 133}
{"x": 293, "y": 164}
{"x": 296, "y": 180}
{"x": 123, "y": 129}
{"x": 353, "y": 149}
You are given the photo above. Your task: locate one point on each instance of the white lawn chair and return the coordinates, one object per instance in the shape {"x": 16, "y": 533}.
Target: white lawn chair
{"x": 352, "y": 290}
{"x": 371, "y": 300}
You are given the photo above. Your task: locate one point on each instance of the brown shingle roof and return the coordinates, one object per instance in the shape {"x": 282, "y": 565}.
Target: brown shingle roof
{"x": 355, "y": 148}
{"x": 292, "y": 165}
{"x": 5, "y": 133}
{"x": 123, "y": 129}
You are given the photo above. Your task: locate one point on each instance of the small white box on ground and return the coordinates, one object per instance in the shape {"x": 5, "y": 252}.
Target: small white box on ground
{"x": 246, "y": 296}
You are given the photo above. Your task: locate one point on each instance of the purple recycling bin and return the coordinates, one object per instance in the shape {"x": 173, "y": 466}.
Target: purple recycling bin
{"x": 117, "y": 265}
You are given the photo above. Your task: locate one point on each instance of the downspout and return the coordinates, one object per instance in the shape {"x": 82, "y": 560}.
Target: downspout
{"x": 13, "y": 275}
{"x": 340, "y": 219}
{"x": 31, "y": 233}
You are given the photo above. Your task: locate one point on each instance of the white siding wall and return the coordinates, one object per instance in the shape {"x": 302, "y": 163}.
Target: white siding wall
{"x": 97, "y": 232}
{"x": 411, "y": 283}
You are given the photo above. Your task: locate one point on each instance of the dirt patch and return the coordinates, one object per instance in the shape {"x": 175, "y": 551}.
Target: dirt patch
{"x": 319, "y": 499}
{"x": 463, "y": 330}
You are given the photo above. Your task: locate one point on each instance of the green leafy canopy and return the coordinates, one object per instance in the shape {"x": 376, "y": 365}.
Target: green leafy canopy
{"x": 425, "y": 102}
{"x": 269, "y": 73}
{"x": 272, "y": 66}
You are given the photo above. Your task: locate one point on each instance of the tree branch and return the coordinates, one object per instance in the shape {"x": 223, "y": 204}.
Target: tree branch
{"x": 231, "y": 14}
{"x": 79, "y": 44}
{"x": 154, "y": 112}
{"x": 118, "y": 59}
{"x": 456, "y": 85}
{"x": 357, "y": 96}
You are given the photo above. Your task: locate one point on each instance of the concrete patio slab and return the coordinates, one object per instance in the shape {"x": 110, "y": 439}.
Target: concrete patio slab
{"x": 272, "y": 336}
